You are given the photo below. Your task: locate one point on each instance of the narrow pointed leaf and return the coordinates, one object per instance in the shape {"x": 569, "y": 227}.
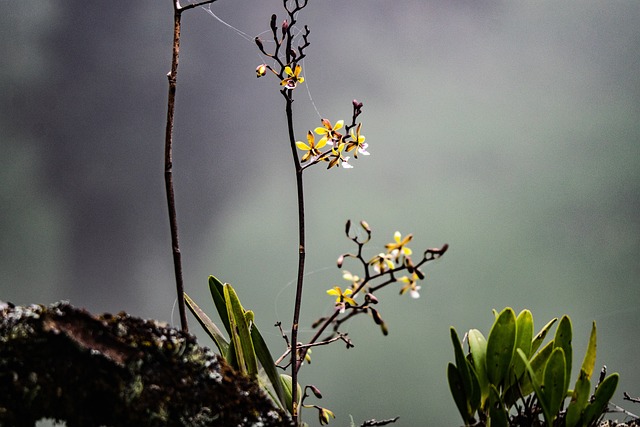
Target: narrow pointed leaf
{"x": 500, "y": 346}
{"x": 207, "y": 324}
{"x": 240, "y": 335}
{"x": 537, "y": 363}
{"x": 537, "y": 388}
{"x": 264, "y": 356}
{"x": 579, "y": 399}
{"x": 216, "y": 288}
{"x": 539, "y": 338}
{"x": 589, "y": 361}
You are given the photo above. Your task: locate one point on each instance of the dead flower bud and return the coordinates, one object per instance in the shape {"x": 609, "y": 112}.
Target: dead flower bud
{"x": 369, "y": 297}
{"x": 258, "y": 43}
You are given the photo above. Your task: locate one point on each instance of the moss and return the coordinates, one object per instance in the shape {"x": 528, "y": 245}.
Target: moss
{"x": 63, "y": 363}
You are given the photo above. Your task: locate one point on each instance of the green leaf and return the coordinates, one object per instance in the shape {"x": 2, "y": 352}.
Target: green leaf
{"x": 240, "y": 334}
{"x": 287, "y": 386}
{"x": 217, "y": 294}
{"x": 478, "y": 349}
{"x": 589, "y": 361}
{"x": 208, "y": 325}
{"x": 497, "y": 413}
{"x": 537, "y": 340}
{"x": 579, "y": 399}
{"x": 472, "y": 393}
{"x": 554, "y": 390}
{"x": 601, "y": 398}
{"x": 500, "y": 346}
{"x": 457, "y": 391}
{"x": 524, "y": 337}
{"x": 269, "y": 366}
{"x": 537, "y": 363}
{"x": 537, "y": 388}
{"x": 562, "y": 340}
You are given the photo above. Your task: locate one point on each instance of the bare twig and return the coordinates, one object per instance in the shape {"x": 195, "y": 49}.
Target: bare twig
{"x": 168, "y": 155}
{"x": 371, "y": 423}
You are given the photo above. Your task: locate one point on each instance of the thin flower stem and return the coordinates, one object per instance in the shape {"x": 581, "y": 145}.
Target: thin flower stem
{"x": 301, "y": 254}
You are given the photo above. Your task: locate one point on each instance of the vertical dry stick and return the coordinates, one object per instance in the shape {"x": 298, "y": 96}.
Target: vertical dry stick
{"x": 168, "y": 156}
{"x": 168, "y": 165}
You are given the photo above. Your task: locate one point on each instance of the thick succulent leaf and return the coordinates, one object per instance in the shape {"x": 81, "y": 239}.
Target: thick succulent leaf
{"x": 539, "y": 338}
{"x": 240, "y": 334}
{"x": 562, "y": 340}
{"x": 601, "y": 398}
{"x": 500, "y": 346}
{"x": 579, "y": 399}
{"x": 524, "y": 337}
{"x": 207, "y": 324}
{"x": 457, "y": 391}
{"x": 589, "y": 361}
{"x": 497, "y": 413}
{"x": 478, "y": 349}
{"x": 554, "y": 390}
{"x": 538, "y": 363}
{"x": 537, "y": 388}
{"x": 463, "y": 369}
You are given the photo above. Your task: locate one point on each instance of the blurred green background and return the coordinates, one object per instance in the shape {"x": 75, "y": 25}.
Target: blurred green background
{"x": 509, "y": 130}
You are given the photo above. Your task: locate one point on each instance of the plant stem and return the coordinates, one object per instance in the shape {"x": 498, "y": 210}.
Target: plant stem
{"x": 301, "y": 256}
{"x": 168, "y": 155}
{"x": 168, "y": 165}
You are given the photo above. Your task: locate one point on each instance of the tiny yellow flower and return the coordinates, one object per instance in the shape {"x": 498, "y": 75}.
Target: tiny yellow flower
{"x": 381, "y": 263}
{"x": 410, "y": 285}
{"x": 342, "y": 298}
{"x": 330, "y": 132}
{"x": 336, "y": 158}
{"x": 312, "y": 150}
{"x": 398, "y": 248}
{"x": 294, "y": 77}
{"x": 324, "y": 414}
{"x": 357, "y": 142}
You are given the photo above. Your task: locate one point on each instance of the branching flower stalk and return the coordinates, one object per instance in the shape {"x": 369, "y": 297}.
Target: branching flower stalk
{"x": 168, "y": 155}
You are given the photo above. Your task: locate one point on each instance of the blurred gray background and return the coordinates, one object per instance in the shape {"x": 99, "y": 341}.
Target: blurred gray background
{"x": 509, "y": 130}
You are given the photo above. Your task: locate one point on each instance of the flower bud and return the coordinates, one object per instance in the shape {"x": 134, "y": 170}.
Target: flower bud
{"x": 340, "y": 261}
{"x": 285, "y": 26}
{"x": 315, "y": 391}
{"x": 272, "y": 24}
{"x": 365, "y": 225}
{"x": 259, "y": 43}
